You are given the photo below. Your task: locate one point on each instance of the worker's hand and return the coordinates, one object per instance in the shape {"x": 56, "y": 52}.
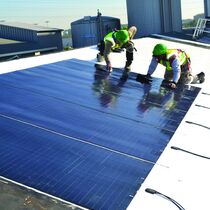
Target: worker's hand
{"x": 109, "y": 67}
{"x": 148, "y": 78}
{"x": 172, "y": 85}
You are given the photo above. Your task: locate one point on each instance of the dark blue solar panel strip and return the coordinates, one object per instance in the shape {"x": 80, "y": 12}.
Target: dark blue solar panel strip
{"x": 130, "y": 100}
{"x": 114, "y": 132}
{"x": 80, "y": 173}
{"x": 81, "y": 134}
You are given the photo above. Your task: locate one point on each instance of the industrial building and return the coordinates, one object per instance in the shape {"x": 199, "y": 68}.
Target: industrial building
{"x": 149, "y": 16}
{"x": 154, "y": 16}
{"x": 160, "y": 17}
{"x": 207, "y": 8}
{"x": 20, "y": 39}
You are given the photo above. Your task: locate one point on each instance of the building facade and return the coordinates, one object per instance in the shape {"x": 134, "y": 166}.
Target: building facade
{"x": 21, "y": 39}
{"x": 151, "y": 17}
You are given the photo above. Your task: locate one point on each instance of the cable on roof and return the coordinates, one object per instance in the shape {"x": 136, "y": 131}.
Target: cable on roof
{"x": 151, "y": 191}
{"x": 203, "y": 126}
{"x": 192, "y": 153}
{"x": 206, "y": 93}
{"x": 202, "y": 106}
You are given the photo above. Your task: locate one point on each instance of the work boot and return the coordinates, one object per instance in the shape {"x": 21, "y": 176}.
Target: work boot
{"x": 201, "y": 77}
{"x": 125, "y": 74}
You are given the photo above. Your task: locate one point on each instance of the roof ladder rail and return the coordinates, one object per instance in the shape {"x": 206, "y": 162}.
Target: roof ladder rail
{"x": 199, "y": 29}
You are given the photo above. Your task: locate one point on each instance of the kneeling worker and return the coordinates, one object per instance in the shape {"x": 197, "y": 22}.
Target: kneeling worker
{"x": 178, "y": 66}
{"x": 118, "y": 40}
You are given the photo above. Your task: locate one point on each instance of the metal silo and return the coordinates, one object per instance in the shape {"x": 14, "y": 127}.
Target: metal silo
{"x": 90, "y": 30}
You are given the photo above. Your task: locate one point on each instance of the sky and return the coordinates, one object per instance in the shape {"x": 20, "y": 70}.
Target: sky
{"x": 60, "y": 13}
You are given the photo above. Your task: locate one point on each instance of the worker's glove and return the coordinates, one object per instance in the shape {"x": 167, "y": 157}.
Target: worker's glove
{"x": 168, "y": 84}
{"x": 145, "y": 79}
{"x": 172, "y": 85}
{"x": 148, "y": 78}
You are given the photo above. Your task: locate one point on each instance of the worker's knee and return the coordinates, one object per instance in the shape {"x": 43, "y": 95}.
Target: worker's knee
{"x": 101, "y": 47}
{"x": 129, "y": 46}
{"x": 129, "y": 56}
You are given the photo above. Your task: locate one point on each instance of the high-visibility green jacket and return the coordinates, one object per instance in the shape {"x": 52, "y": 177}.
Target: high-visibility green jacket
{"x": 111, "y": 38}
{"x": 174, "y": 60}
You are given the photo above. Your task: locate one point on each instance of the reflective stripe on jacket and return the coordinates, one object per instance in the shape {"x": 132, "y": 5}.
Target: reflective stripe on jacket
{"x": 110, "y": 37}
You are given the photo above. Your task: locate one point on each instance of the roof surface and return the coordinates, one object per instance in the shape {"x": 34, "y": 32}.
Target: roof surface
{"x": 29, "y": 26}
{"x": 177, "y": 174}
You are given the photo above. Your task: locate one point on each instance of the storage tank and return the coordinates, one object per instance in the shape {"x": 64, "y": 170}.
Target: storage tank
{"x": 91, "y": 30}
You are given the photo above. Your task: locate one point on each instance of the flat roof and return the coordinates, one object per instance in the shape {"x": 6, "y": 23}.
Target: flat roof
{"x": 181, "y": 175}
{"x": 29, "y": 26}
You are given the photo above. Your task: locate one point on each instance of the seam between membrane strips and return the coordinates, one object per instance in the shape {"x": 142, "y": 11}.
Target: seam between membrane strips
{"x": 81, "y": 140}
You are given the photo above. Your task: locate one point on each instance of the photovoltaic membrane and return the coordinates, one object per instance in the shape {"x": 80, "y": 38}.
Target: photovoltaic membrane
{"x": 82, "y": 134}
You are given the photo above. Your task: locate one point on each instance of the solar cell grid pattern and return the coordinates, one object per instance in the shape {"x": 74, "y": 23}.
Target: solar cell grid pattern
{"x": 83, "y": 135}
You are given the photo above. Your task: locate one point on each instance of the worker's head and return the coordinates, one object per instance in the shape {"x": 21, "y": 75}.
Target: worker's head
{"x": 122, "y": 36}
{"x": 159, "y": 49}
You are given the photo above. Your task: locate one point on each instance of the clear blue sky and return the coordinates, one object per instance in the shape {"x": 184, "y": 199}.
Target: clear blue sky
{"x": 60, "y": 13}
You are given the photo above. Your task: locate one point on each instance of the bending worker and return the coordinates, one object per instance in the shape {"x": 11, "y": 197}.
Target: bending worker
{"x": 178, "y": 66}
{"x": 117, "y": 40}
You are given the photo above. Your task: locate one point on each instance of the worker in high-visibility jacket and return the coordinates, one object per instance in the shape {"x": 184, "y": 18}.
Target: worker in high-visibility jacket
{"x": 117, "y": 40}
{"x": 177, "y": 66}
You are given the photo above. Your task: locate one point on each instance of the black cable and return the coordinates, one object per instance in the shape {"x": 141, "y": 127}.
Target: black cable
{"x": 192, "y": 153}
{"x": 151, "y": 191}
{"x": 202, "y": 106}
{"x": 198, "y": 124}
{"x": 206, "y": 93}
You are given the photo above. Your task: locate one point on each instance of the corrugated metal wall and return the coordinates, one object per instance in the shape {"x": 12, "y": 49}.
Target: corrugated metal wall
{"x": 207, "y": 8}
{"x": 18, "y": 34}
{"x": 28, "y": 40}
{"x": 154, "y": 16}
{"x": 84, "y": 33}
